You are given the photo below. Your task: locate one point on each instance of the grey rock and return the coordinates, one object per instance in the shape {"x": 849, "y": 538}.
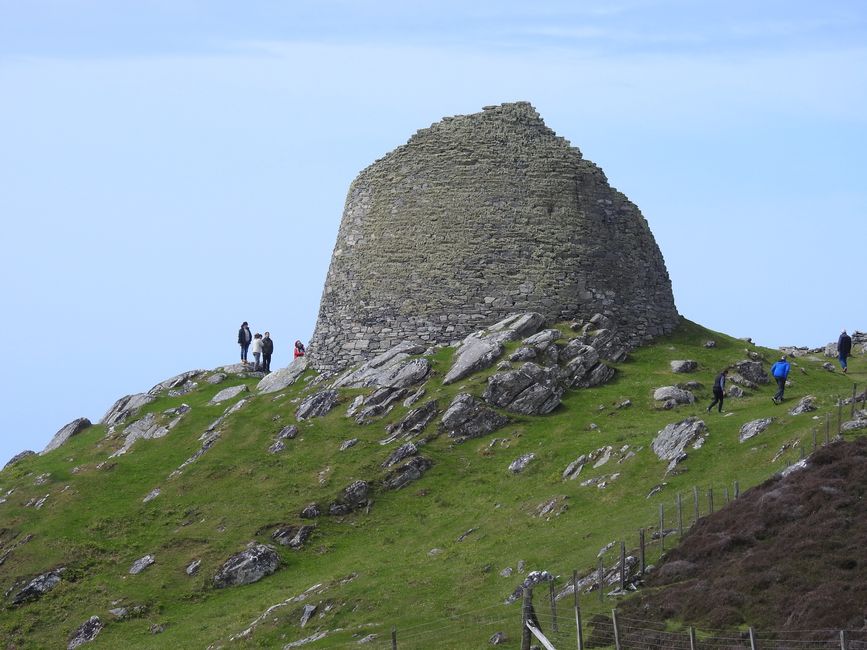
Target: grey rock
{"x": 282, "y": 378}
{"x": 523, "y": 354}
{"x": 346, "y": 444}
{"x": 520, "y": 464}
{"x": 119, "y": 613}
{"x": 384, "y": 365}
{"x": 754, "y": 428}
{"x": 288, "y": 433}
{"x": 66, "y": 432}
{"x": 735, "y": 391}
{"x": 356, "y": 404}
{"x": 405, "y": 474}
{"x": 216, "y": 378}
{"x": 505, "y": 573}
{"x": 17, "y": 458}
{"x": 416, "y": 396}
{"x": 533, "y": 579}
{"x": 671, "y": 441}
{"x": 406, "y": 374}
{"x": 354, "y": 497}
{"x": 530, "y": 390}
{"x": 229, "y": 393}
{"x": 805, "y": 405}
{"x": 316, "y": 405}
{"x": 148, "y": 428}
{"x": 176, "y": 382}
{"x": 580, "y": 358}
{"x": 677, "y": 395}
{"x": 277, "y": 447}
{"x": 368, "y": 639}
{"x": 466, "y": 417}
{"x": 497, "y": 638}
{"x": 739, "y": 380}
{"x": 854, "y": 425}
{"x": 193, "y": 567}
{"x": 125, "y": 407}
{"x": 413, "y": 422}
{"x": 38, "y": 586}
{"x": 293, "y": 536}
{"x": 250, "y": 565}
{"x": 710, "y": 344}
{"x": 141, "y": 564}
{"x": 829, "y": 367}
{"x": 400, "y": 454}
{"x": 310, "y": 511}
{"x": 380, "y": 402}
{"x": 684, "y": 365}
{"x": 85, "y": 633}
{"x": 153, "y": 494}
{"x": 308, "y": 612}
{"x": 752, "y": 371}
{"x": 542, "y": 340}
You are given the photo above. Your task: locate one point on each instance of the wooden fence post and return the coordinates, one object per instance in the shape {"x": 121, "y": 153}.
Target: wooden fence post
{"x": 827, "y": 428}
{"x": 553, "y": 607}
{"x": 691, "y": 638}
{"x": 725, "y": 494}
{"x": 815, "y": 434}
{"x": 579, "y": 631}
{"x": 661, "y": 527}
{"x": 641, "y": 563}
{"x": 753, "y": 645}
{"x": 617, "y": 645}
{"x": 393, "y": 638}
{"x": 852, "y": 414}
{"x": 839, "y": 417}
{"x": 679, "y": 515}
{"x": 526, "y": 604}
{"x": 601, "y": 576}
{"x": 622, "y": 567}
{"x": 710, "y": 500}
{"x": 737, "y": 489}
{"x": 695, "y": 504}
{"x": 844, "y": 640}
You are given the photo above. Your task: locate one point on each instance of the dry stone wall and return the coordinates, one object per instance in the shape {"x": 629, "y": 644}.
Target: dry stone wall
{"x": 477, "y": 217}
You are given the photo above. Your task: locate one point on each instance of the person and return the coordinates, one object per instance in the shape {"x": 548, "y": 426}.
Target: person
{"x": 257, "y": 351}
{"x": 244, "y": 339}
{"x": 844, "y": 350}
{"x": 267, "y": 351}
{"x": 719, "y": 390}
{"x": 780, "y": 370}
{"x": 299, "y": 349}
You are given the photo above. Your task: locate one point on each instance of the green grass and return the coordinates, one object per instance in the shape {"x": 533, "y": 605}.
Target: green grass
{"x": 236, "y": 492}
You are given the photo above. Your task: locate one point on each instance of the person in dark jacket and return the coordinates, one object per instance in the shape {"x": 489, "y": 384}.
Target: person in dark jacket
{"x": 245, "y": 336}
{"x": 780, "y": 370}
{"x": 267, "y": 351}
{"x": 719, "y": 390}
{"x": 299, "y": 349}
{"x": 844, "y": 350}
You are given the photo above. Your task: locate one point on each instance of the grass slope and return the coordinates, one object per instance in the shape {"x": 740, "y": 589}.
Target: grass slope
{"x": 375, "y": 569}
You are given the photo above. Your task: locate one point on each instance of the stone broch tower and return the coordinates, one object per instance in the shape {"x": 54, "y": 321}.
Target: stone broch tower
{"x": 477, "y": 217}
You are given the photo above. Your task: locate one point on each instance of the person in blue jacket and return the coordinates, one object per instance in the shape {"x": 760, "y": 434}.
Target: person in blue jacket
{"x": 844, "y": 349}
{"x": 780, "y": 370}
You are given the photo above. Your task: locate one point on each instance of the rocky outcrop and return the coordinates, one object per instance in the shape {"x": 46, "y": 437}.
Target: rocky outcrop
{"x": 317, "y": 405}
{"x": 141, "y": 564}
{"x": 684, "y": 365}
{"x": 400, "y": 454}
{"x": 17, "y": 458}
{"x": 282, "y": 378}
{"x": 530, "y": 390}
{"x": 466, "y": 417}
{"x": 125, "y": 407}
{"x": 413, "y": 422}
{"x": 229, "y": 393}
{"x": 754, "y": 428}
{"x": 250, "y": 565}
{"x": 671, "y": 396}
{"x": 66, "y": 432}
{"x": 38, "y": 586}
{"x": 85, "y": 633}
{"x": 671, "y": 441}
{"x": 385, "y": 368}
{"x": 293, "y": 536}
{"x": 752, "y": 371}
{"x": 378, "y": 404}
{"x": 353, "y": 497}
{"x": 806, "y": 404}
{"x": 520, "y": 464}
{"x": 405, "y": 474}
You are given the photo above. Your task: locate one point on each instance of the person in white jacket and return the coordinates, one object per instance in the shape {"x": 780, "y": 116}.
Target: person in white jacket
{"x": 256, "y": 348}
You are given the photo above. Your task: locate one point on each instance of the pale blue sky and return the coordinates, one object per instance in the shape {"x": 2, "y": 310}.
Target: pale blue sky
{"x": 171, "y": 168}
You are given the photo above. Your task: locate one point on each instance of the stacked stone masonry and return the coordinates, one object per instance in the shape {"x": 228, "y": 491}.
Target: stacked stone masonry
{"x": 477, "y": 217}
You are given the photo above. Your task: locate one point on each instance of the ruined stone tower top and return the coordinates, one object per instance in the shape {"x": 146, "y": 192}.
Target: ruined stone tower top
{"x": 476, "y": 217}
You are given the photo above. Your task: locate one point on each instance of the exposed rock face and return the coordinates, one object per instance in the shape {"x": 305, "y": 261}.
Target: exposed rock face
{"x": 250, "y": 565}
{"x": 414, "y": 422}
{"x": 86, "y": 633}
{"x": 141, "y": 564}
{"x": 19, "y": 457}
{"x": 353, "y": 497}
{"x": 805, "y": 405}
{"x": 672, "y": 395}
{"x": 317, "y": 405}
{"x": 73, "y": 428}
{"x": 752, "y": 371}
{"x": 38, "y": 586}
{"x": 405, "y": 474}
{"x": 283, "y": 378}
{"x": 125, "y": 407}
{"x": 683, "y": 365}
{"x": 380, "y": 367}
{"x": 293, "y": 536}
{"x": 229, "y": 393}
{"x": 497, "y": 195}
{"x": 466, "y": 417}
{"x": 531, "y": 389}
{"x": 670, "y": 443}
{"x": 754, "y": 428}
{"x": 520, "y": 464}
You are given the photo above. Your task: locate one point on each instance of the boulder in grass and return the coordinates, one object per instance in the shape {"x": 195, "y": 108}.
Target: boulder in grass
{"x": 85, "y": 633}
{"x": 66, "y": 432}
{"x": 684, "y": 365}
{"x": 250, "y": 565}
{"x": 673, "y": 394}
{"x": 467, "y": 417}
{"x": 353, "y": 497}
{"x": 316, "y": 405}
{"x": 403, "y": 475}
{"x": 754, "y": 428}
{"x": 283, "y": 378}
{"x": 229, "y": 393}
{"x": 37, "y": 587}
{"x": 530, "y": 390}
{"x": 805, "y": 405}
{"x": 671, "y": 441}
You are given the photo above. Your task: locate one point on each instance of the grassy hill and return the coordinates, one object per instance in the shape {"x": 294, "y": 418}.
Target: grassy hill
{"x": 402, "y": 563}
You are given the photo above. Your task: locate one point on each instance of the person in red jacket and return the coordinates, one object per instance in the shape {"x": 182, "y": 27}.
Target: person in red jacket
{"x": 299, "y": 349}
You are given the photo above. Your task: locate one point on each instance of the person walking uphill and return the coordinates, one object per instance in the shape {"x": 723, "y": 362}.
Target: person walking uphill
{"x": 719, "y": 390}
{"x": 245, "y": 336}
{"x": 267, "y": 351}
{"x": 257, "y": 350}
{"x": 780, "y": 370}
{"x": 844, "y": 350}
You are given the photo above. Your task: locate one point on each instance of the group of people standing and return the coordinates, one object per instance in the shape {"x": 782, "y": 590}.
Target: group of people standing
{"x": 262, "y": 347}
{"x": 780, "y": 371}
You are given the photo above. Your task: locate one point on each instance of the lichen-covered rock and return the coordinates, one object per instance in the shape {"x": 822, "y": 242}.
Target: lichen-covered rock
{"x": 413, "y": 422}
{"x": 85, "y": 633}
{"x": 854, "y": 425}
{"x": 353, "y": 497}
{"x": 293, "y": 536}
{"x": 229, "y": 393}
{"x": 125, "y": 407}
{"x": 673, "y": 394}
{"x": 805, "y": 405}
{"x": 347, "y": 444}
{"x": 379, "y": 403}
{"x": 531, "y": 389}
{"x": 38, "y": 586}
{"x": 671, "y": 441}
{"x": 66, "y": 432}
{"x": 311, "y": 511}
{"x": 520, "y": 464}
{"x": 401, "y": 453}
{"x": 282, "y": 378}
{"x": 317, "y": 405}
{"x": 405, "y": 474}
{"x": 141, "y": 564}
{"x": 374, "y": 371}
{"x": 466, "y": 417}
{"x": 752, "y": 371}
{"x": 17, "y": 458}
{"x": 476, "y": 352}
{"x": 250, "y": 565}
{"x": 683, "y": 365}
{"x": 176, "y": 382}
{"x": 754, "y": 428}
